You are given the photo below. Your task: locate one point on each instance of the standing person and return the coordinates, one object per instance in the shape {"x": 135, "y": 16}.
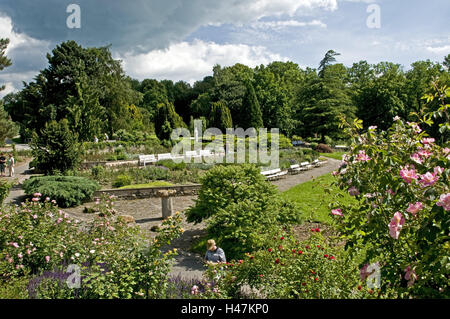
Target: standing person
{"x": 11, "y": 164}
{"x": 2, "y": 164}
{"x": 214, "y": 254}
{"x": 106, "y": 137}
{"x": 95, "y": 139}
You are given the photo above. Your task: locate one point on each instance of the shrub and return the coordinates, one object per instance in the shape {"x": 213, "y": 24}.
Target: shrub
{"x": 288, "y": 269}
{"x": 67, "y": 191}
{"x": 323, "y": 148}
{"x": 170, "y": 164}
{"x": 240, "y": 207}
{"x": 122, "y": 180}
{"x": 5, "y": 186}
{"x": 401, "y": 181}
{"x": 55, "y": 148}
{"x": 98, "y": 172}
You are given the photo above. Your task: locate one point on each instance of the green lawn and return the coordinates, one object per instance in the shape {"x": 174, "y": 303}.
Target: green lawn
{"x": 313, "y": 200}
{"x": 152, "y": 184}
{"x": 335, "y": 155}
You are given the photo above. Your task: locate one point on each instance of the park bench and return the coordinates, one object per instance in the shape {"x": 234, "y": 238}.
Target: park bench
{"x": 191, "y": 154}
{"x": 304, "y": 166}
{"x": 295, "y": 169}
{"x": 144, "y": 159}
{"x": 164, "y": 156}
{"x": 317, "y": 163}
{"x": 274, "y": 174}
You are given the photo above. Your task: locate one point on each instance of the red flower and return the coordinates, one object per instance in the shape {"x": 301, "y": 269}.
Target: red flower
{"x": 359, "y": 287}
{"x": 277, "y": 261}
{"x": 281, "y": 238}
{"x": 312, "y": 271}
{"x": 294, "y": 251}
{"x": 318, "y": 230}
{"x": 326, "y": 256}
{"x": 316, "y": 279}
{"x": 331, "y": 258}
{"x": 280, "y": 247}
{"x": 313, "y": 230}
{"x": 303, "y": 283}
{"x": 261, "y": 276}
{"x": 269, "y": 250}
{"x": 300, "y": 252}
{"x": 251, "y": 257}
{"x": 307, "y": 247}
{"x": 318, "y": 246}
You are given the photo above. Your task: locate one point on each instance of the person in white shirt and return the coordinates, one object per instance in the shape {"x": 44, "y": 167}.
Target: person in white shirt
{"x": 11, "y": 163}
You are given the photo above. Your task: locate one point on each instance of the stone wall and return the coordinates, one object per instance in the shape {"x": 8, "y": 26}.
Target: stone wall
{"x": 138, "y": 193}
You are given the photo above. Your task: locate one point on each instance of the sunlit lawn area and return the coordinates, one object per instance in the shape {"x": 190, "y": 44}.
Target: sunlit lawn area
{"x": 152, "y": 184}
{"x": 313, "y": 200}
{"x": 335, "y": 155}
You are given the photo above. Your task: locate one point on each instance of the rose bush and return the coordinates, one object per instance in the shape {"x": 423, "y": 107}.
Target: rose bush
{"x": 287, "y": 268}
{"x": 116, "y": 260}
{"x": 401, "y": 179}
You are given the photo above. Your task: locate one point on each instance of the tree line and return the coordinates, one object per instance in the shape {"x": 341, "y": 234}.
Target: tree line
{"x": 90, "y": 91}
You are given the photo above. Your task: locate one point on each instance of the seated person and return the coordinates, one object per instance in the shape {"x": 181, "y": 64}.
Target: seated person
{"x": 214, "y": 254}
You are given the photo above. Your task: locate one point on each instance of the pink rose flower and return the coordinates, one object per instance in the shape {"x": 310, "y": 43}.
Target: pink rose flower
{"x": 47, "y": 258}
{"x": 362, "y": 157}
{"x": 337, "y": 212}
{"x": 444, "y": 201}
{"x": 396, "y": 225}
{"x": 428, "y": 179}
{"x": 353, "y": 191}
{"x": 425, "y": 153}
{"x": 428, "y": 140}
{"x": 414, "y": 208}
{"x": 410, "y": 275}
{"x": 37, "y": 194}
{"x": 416, "y": 158}
{"x": 408, "y": 174}
{"x": 396, "y": 118}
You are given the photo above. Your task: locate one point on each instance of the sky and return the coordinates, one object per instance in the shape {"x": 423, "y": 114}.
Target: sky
{"x": 184, "y": 39}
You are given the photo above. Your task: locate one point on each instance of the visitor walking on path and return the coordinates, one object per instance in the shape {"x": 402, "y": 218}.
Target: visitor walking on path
{"x": 2, "y": 164}
{"x": 214, "y": 254}
{"x": 11, "y": 164}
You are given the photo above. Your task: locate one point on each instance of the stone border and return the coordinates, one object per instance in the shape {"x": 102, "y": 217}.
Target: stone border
{"x": 149, "y": 192}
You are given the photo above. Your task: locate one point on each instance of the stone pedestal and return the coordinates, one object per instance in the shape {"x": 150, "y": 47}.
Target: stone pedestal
{"x": 166, "y": 202}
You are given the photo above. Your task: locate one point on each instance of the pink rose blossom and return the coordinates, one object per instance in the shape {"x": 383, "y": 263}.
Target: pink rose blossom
{"x": 396, "y": 118}
{"x": 410, "y": 275}
{"x": 428, "y": 179}
{"x": 416, "y": 158}
{"x": 37, "y": 194}
{"x": 415, "y": 126}
{"x": 47, "y": 258}
{"x": 16, "y": 245}
{"x": 362, "y": 157}
{"x": 353, "y": 191}
{"x": 444, "y": 201}
{"x": 425, "y": 153}
{"x": 390, "y": 191}
{"x": 408, "y": 174}
{"x": 337, "y": 212}
{"x": 428, "y": 140}
{"x": 396, "y": 225}
{"x": 35, "y": 199}
{"x": 414, "y": 208}
{"x": 20, "y": 255}
{"x": 438, "y": 170}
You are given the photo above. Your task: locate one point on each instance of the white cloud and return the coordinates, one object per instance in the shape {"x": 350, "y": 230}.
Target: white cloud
{"x": 277, "y": 25}
{"x": 193, "y": 61}
{"x": 439, "y": 50}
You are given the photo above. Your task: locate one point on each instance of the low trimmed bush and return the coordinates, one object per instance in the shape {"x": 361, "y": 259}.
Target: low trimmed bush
{"x": 122, "y": 180}
{"x": 4, "y": 190}
{"x": 67, "y": 191}
{"x": 323, "y": 148}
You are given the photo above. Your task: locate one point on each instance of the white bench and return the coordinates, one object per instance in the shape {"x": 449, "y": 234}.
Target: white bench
{"x": 274, "y": 174}
{"x": 144, "y": 159}
{"x": 317, "y": 163}
{"x": 306, "y": 166}
{"x": 164, "y": 156}
{"x": 295, "y": 169}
